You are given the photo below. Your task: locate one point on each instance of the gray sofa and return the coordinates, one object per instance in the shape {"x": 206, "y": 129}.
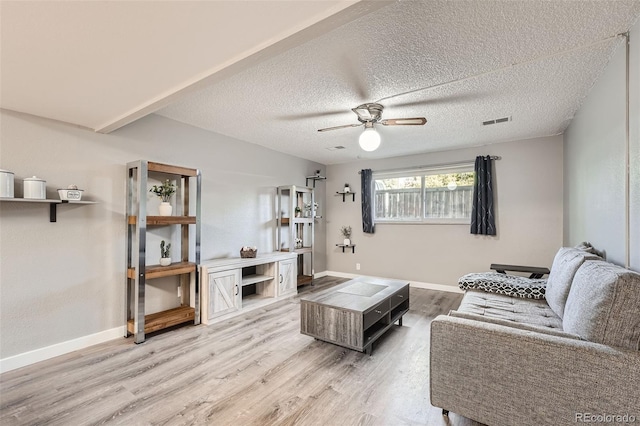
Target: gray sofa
{"x": 573, "y": 357}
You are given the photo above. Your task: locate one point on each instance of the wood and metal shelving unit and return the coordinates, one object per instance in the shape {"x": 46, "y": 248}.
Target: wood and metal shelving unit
{"x": 188, "y": 183}
{"x": 289, "y": 227}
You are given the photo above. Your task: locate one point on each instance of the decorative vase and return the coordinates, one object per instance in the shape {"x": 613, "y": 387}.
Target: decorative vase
{"x": 347, "y": 189}
{"x": 347, "y": 242}
{"x": 165, "y": 261}
{"x": 165, "y": 209}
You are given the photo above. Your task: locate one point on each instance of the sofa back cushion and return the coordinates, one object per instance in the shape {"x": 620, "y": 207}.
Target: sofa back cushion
{"x": 563, "y": 269}
{"x": 604, "y": 305}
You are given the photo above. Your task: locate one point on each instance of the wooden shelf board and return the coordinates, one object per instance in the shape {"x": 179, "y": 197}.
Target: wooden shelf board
{"x": 174, "y": 170}
{"x": 302, "y": 220}
{"x": 164, "y": 220}
{"x": 164, "y": 319}
{"x": 304, "y": 279}
{"x": 48, "y": 201}
{"x": 253, "y": 298}
{"x": 252, "y": 279}
{"x": 299, "y": 251}
{"x": 284, "y": 221}
{"x": 157, "y": 271}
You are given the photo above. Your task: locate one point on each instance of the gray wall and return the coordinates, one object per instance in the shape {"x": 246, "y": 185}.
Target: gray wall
{"x": 594, "y": 168}
{"x": 528, "y": 211}
{"x": 65, "y": 280}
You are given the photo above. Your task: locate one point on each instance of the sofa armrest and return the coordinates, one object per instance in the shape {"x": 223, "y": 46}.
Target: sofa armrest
{"x": 503, "y": 375}
{"x": 536, "y": 271}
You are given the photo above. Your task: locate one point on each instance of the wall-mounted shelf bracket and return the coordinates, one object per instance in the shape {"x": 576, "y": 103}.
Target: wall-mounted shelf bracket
{"x": 313, "y": 179}
{"x": 344, "y": 194}
{"x": 343, "y": 246}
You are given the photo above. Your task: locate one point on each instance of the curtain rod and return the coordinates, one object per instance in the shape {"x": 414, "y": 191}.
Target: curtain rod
{"x": 456, "y": 163}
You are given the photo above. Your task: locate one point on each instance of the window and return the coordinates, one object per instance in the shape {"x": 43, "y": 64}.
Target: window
{"x": 429, "y": 195}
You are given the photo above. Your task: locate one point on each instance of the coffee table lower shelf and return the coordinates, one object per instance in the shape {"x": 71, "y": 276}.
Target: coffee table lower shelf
{"x": 377, "y": 330}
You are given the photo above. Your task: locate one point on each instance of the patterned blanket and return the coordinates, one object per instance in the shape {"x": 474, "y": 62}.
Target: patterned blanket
{"x": 509, "y": 285}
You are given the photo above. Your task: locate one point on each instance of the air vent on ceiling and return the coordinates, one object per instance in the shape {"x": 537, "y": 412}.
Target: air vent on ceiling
{"x": 335, "y": 148}
{"x": 496, "y": 121}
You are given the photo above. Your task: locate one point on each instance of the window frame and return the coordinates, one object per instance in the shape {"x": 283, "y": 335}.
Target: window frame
{"x": 421, "y": 172}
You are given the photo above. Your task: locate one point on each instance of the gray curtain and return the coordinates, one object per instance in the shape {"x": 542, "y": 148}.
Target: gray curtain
{"x": 368, "y": 226}
{"x": 483, "y": 221}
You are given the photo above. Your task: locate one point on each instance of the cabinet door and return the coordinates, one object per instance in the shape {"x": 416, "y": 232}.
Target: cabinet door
{"x": 287, "y": 277}
{"x": 224, "y": 292}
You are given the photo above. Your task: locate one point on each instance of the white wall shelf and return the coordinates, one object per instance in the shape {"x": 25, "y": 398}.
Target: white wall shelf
{"x": 344, "y": 194}
{"x": 53, "y": 204}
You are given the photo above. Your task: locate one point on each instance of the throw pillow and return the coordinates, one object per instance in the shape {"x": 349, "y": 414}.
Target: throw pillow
{"x": 604, "y": 305}
{"x": 563, "y": 269}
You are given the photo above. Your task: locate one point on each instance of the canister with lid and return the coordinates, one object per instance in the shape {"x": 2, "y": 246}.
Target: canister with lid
{"x": 6, "y": 184}
{"x": 35, "y": 188}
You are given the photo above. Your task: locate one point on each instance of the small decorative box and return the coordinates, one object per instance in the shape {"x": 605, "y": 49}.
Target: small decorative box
{"x": 70, "y": 194}
{"x": 248, "y": 252}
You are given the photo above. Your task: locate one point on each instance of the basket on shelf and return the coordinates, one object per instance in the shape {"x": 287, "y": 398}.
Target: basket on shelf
{"x": 248, "y": 252}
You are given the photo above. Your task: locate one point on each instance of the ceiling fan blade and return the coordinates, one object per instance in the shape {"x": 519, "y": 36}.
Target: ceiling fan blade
{"x": 417, "y": 121}
{"x": 339, "y": 127}
{"x": 305, "y": 116}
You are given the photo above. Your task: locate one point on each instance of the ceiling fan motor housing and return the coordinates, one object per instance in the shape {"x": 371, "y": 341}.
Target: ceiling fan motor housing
{"x": 369, "y": 112}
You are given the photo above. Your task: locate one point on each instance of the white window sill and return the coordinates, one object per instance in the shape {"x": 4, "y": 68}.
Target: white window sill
{"x": 466, "y": 222}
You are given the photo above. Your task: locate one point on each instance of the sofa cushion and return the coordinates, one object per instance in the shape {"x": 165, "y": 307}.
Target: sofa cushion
{"x": 604, "y": 305}
{"x": 509, "y": 285}
{"x": 526, "y": 311}
{"x": 563, "y": 269}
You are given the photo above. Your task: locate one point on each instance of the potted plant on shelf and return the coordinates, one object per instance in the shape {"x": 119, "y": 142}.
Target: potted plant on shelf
{"x": 165, "y": 255}
{"x": 298, "y": 211}
{"x": 164, "y": 191}
{"x": 346, "y": 233}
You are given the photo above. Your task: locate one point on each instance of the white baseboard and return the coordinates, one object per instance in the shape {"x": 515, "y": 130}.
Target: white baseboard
{"x": 37, "y": 355}
{"x": 416, "y": 284}
{"x": 439, "y": 287}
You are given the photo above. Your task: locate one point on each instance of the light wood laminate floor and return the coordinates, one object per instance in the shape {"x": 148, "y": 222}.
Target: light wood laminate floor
{"x": 255, "y": 369}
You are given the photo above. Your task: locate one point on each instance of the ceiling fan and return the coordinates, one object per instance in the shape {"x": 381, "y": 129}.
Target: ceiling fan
{"x": 370, "y": 114}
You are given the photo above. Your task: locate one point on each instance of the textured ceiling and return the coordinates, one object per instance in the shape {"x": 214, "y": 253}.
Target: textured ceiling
{"x": 533, "y": 61}
{"x": 221, "y": 66}
{"x": 102, "y": 64}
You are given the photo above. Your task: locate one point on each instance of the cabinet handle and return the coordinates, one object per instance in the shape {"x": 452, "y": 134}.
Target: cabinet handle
{"x": 377, "y": 311}
{"x": 400, "y": 296}
{"x": 236, "y": 293}
{"x": 280, "y": 278}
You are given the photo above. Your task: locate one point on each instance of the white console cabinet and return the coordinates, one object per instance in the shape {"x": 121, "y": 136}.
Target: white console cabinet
{"x": 234, "y": 285}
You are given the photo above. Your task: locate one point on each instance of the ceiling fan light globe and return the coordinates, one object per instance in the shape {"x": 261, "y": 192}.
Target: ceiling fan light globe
{"x": 369, "y": 140}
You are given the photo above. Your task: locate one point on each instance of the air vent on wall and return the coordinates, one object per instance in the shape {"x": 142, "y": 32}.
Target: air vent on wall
{"x": 335, "y": 148}
{"x": 496, "y": 121}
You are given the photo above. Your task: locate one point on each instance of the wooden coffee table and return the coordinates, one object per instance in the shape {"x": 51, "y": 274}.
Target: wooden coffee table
{"x": 356, "y": 313}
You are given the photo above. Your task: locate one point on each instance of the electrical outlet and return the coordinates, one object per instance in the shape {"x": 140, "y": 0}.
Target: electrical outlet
{"x": 357, "y": 266}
